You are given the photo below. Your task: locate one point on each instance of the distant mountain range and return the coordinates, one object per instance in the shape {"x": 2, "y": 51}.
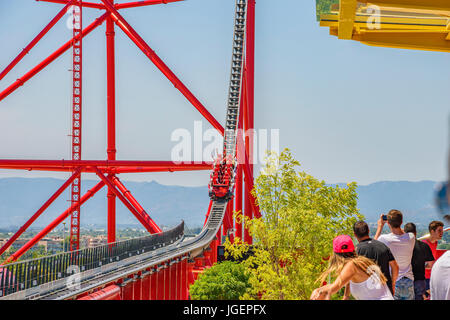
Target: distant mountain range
{"x": 414, "y": 199}
{"x": 20, "y": 198}
{"x": 168, "y": 205}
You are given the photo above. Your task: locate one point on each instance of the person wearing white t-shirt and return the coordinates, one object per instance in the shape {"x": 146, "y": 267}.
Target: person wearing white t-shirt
{"x": 401, "y": 245}
{"x": 440, "y": 278}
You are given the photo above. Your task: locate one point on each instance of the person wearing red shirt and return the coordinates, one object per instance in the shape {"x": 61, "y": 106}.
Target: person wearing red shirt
{"x": 436, "y": 229}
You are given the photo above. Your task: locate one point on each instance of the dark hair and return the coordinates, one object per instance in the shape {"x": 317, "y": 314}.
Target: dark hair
{"x": 410, "y": 227}
{"x": 395, "y": 218}
{"x": 347, "y": 254}
{"x": 361, "y": 229}
{"x": 434, "y": 225}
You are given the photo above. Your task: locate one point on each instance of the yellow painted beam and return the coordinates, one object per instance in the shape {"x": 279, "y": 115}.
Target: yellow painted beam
{"x": 448, "y": 29}
{"x": 418, "y": 4}
{"x": 438, "y": 24}
{"x": 363, "y": 26}
{"x": 431, "y": 41}
{"x": 347, "y": 12}
{"x": 415, "y": 11}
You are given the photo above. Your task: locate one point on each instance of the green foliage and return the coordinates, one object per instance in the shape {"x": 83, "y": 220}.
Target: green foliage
{"x": 324, "y": 6}
{"x": 223, "y": 281}
{"x": 35, "y": 252}
{"x": 301, "y": 216}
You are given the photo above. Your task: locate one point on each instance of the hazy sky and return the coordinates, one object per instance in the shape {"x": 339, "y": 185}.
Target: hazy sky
{"x": 349, "y": 112}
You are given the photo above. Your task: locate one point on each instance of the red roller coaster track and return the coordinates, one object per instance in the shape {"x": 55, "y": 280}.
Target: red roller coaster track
{"x": 107, "y": 170}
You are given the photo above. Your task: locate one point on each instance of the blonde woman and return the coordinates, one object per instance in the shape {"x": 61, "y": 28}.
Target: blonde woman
{"x": 366, "y": 280}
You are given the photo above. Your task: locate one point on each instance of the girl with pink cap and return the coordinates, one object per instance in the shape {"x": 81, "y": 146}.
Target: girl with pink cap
{"x": 366, "y": 280}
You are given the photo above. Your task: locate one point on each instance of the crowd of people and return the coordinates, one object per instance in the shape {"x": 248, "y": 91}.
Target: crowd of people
{"x": 392, "y": 266}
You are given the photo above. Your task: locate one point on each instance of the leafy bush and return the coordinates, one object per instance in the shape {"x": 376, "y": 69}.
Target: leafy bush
{"x": 223, "y": 281}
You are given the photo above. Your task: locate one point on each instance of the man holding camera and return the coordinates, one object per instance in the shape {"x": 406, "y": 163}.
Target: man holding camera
{"x": 402, "y": 246}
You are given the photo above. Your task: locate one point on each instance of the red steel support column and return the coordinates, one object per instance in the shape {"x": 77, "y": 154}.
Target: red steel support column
{"x": 132, "y": 282}
{"x": 173, "y": 279}
{"x": 161, "y": 286}
{"x": 198, "y": 266}
{"x": 190, "y": 275}
{"x": 146, "y": 278}
{"x": 219, "y": 236}
{"x": 240, "y": 153}
{"x": 207, "y": 259}
{"x": 137, "y": 287}
{"x": 249, "y": 115}
{"x": 167, "y": 281}
{"x": 127, "y": 289}
{"x": 213, "y": 246}
{"x": 238, "y": 202}
{"x": 230, "y": 234}
{"x": 184, "y": 279}
{"x": 179, "y": 279}
{"x": 111, "y": 120}
{"x": 154, "y": 283}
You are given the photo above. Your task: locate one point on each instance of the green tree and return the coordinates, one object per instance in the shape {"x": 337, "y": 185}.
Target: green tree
{"x": 301, "y": 216}
{"x": 223, "y": 281}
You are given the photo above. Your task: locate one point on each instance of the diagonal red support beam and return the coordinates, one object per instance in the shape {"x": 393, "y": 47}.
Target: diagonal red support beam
{"x": 20, "y": 82}
{"x": 36, "y": 40}
{"x": 52, "y": 225}
{"x": 143, "y": 219}
{"x": 135, "y": 204}
{"x": 141, "y": 44}
{"x": 39, "y": 212}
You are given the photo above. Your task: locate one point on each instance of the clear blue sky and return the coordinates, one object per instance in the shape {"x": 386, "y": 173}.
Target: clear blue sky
{"x": 349, "y": 112}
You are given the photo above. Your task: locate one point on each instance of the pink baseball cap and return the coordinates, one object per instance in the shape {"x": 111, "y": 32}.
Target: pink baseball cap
{"x": 343, "y": 243}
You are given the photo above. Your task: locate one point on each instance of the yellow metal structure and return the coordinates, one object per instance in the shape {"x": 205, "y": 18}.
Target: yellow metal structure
{"x": 406, "y": 24}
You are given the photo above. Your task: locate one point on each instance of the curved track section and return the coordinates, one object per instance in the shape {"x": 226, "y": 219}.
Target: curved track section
{"x": 177, "y": 246}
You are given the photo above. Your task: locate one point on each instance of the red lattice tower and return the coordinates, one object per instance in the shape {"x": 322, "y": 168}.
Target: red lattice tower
{"x": 77, "y": 71}
{"x": 108, "y": 170}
